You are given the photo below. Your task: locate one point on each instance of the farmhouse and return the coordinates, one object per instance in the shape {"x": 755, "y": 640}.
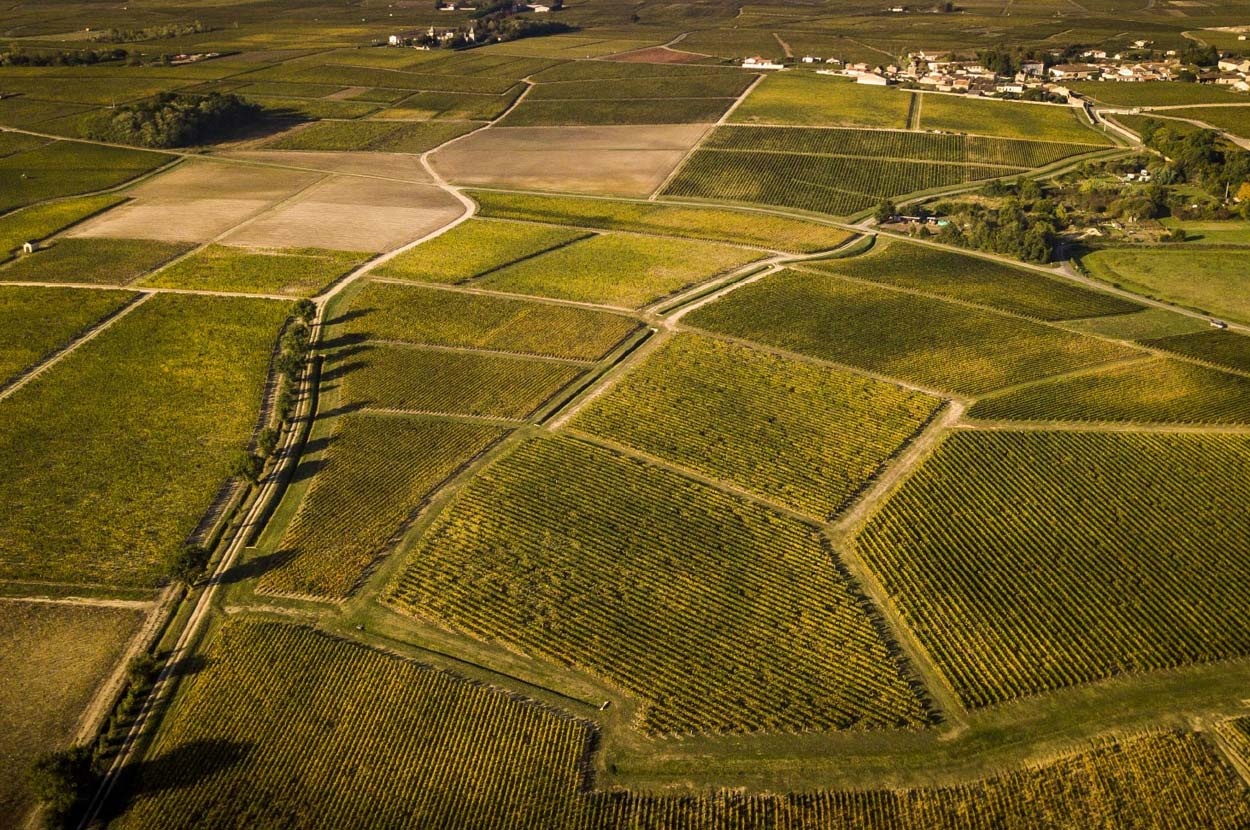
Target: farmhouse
{"x": 760, "y": 63}
{"x": 1074, "y": 71}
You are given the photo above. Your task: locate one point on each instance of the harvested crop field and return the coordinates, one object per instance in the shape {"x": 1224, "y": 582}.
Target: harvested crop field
{"x": 625, "y": 161}
{"x": 351, "y": 213}
{"x": 196, "y": 202}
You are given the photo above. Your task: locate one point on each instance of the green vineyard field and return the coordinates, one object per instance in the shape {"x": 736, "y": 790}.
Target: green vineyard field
{"x": 777, "y": 232}
{"x": 806, "y": 436}
{"x": 99, "y": 261}
{"x": 181, "y": 379}
{"x": 1152, "y": 391}
{"x": 437, "y": 380}
{"x": 926, "y": 341}
{"x": 618, "y": 270}
{"x": 721, "y": 615}
{"x": 899, "y": 144}
{"x": 473, "y": 248}
{"x": 378, "y": 471}
{"x": 1219, "y": 348}
{"x": 1032, "y": 561}
{"x": 427, "y": 748}
{"x": 386, "y": 311}
{"x": 299, "y": 272}
{"x": 838, "y": 185}
{"x": 35, "y": 322}
{"x": 430, "y": 749}
{"x": 976, "y": 280}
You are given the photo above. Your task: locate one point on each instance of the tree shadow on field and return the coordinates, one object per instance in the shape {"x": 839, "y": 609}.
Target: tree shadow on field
{"x": 308, "y": 466}
{"x": 183, "y": 766}
{"x": 341, "y": 369}
{"x": 256, "y": 567}
{"x": 339, "y": 342}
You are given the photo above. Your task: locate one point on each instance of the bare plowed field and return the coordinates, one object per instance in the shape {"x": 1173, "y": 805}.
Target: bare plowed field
{"x": 624, "y": 161}
{"x": 351, "y": 213}
{"x": 196, "y": 202}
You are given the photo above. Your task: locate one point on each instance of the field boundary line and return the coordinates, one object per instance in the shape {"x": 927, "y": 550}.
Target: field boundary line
{"x": 95, "y": 602}
{"x": 608, "y": 378}
{"x": 769, "y": 125}
{"x": 69, "y": 348}
{"x": 146, "y": 289}
{"x": 439, "y": 347}
{"x": 1160, "y": 427}
{"x": 1011, "y": 168}
{"x": 508, "y": 295}
{"x": 841, "y": 536}
{"x": 893, "y": 475}
{"x": 493, "y": 420}
{"x": 699, "y": 476}
{"x": 1095, "y": 369}
{"x": 861, "y": 371}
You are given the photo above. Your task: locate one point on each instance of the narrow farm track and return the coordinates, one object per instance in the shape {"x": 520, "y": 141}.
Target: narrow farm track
{"x": 269, "y": 488}
{"x": 201, "y": 292}
{"x": 73, "y": 345}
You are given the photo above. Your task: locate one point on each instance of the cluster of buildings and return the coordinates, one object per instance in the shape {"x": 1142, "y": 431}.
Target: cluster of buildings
{"x": 942, "y": 73}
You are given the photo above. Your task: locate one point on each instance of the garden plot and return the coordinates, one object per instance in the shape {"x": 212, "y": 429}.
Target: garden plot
{"x": 196, "y": 202}
{"x": 351, "y": 213}
{"x": 627, "y": 161}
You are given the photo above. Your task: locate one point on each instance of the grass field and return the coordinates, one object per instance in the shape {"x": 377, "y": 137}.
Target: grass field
{"x": 976, "y": 280}
{"x": 429, "y": 749}
{"x": 41, "y": 221}
{"x": 53, "y": 661}
{"x": 618, "y": 269}
{"x": 299, "y": 272}
{"x": 111, "y": 459}
{"x": 35, "y": 322}
{"x": 1139, "y": 567}
{"x": 385, "y": 311}
{"x": 65, "y": 168}
{"x": 466, "y": 383}
{"x": 952, "y": 113}
{"x": 917, "y": 339}
{"x": 380, "y": 136}
{"x": 377, "y": 473}
{"x": 473, "y": 248}
{"x": 1157, "y": 94}
{"x": 1235, "y": 120}
{"x": 805, "y": 436}
{"x": 572, "y": 551}
{"x": 1212, "y": 233}
{"x": 587, "y": 112}
{"x": 98, "y": 261}
{"x": 1231, "y": 351}
{"x": 1147, "y": 392}
{"x": 1209, "y": 281}
{"x": 838, "y": 185}
{"x": 777, "y": 232}
{"x": 807, "y": 99}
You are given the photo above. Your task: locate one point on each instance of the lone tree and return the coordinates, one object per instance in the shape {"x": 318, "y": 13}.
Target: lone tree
{"x": 886, "y": 211}
{"x": 247, "y": 467}
{"x": 63, "y": 781}
{"x": 188, "y": 564}
{"x": 306, "y": 310}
